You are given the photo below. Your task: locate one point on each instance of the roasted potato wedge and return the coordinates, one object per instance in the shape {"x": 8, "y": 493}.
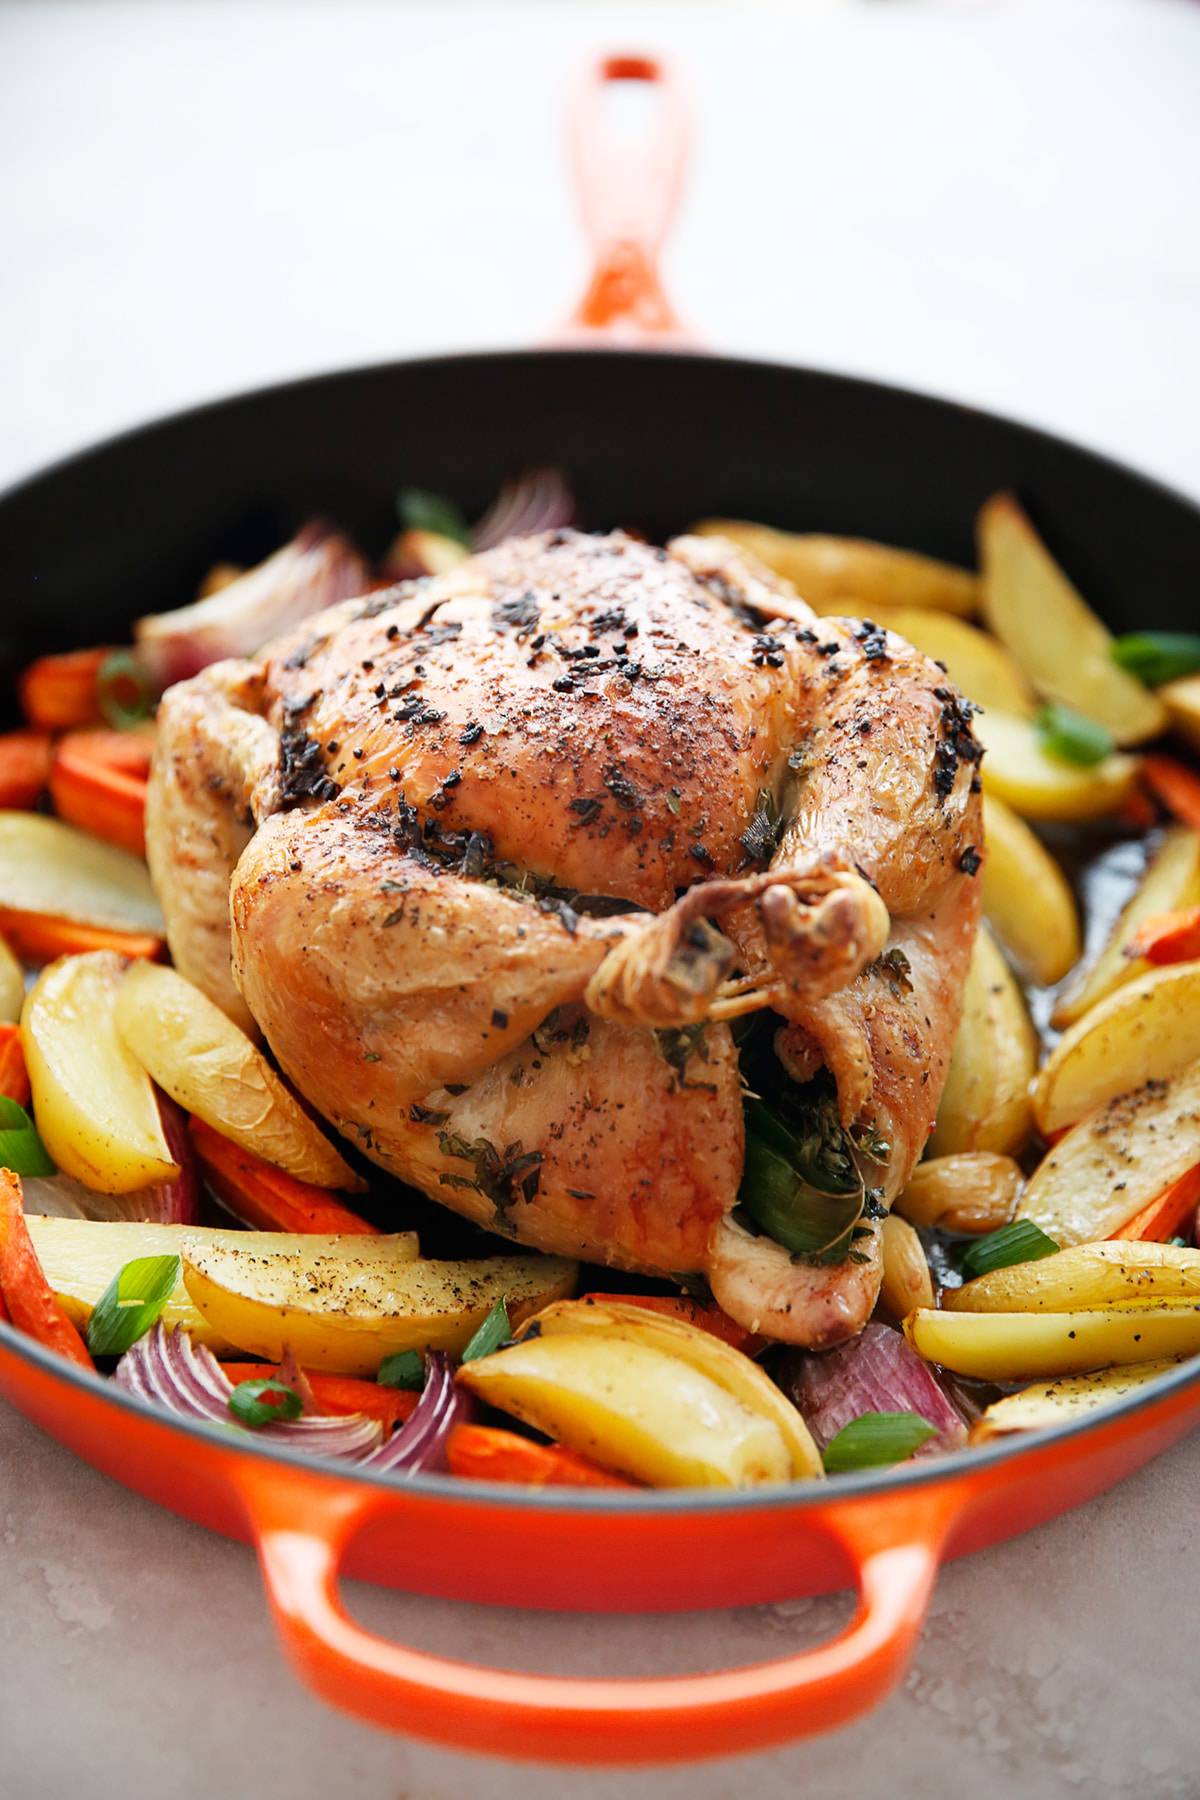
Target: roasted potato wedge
{"x": 1182, "y": 701}
{"x": 1116, "y": 1160}
{"x": 975, "y": 1190}
{"x": 12, "y": 986}
{"x": 1029, "y": 1346}
{"x": 347, "y": 1304}
{"x": 851, "y": 575}
{"x": 81, "y": 1256}
{"x": 633, "y": 1408}
{"x": 985, "y": 1102}
{"x": 1049, "y": 1403}
{"x": 1026, "y": 897}
{"x": 1147, "y": 1030}
{"x": 1063, "y": 647}
{"x": 1083, "y": 1277}
{"x": 48, "y": 867}
{"x": 1171, "y": 882}
{"x": 94, "y": 1104}
{"x": 975, "y": 661}
{"x": 720, "y": 1362}
{"x": 208, "y": 1064}
{"x": 1039, "y": 786}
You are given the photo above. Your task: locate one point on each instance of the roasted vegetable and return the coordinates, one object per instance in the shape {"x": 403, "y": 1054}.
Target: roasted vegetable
{"x": 972, "y": 1191}
{"x": 975, "y": 662}
{"x": 1019, "y": 770}
{"x": 985, "y": 1102}
{"x": 906, "y": 1278}
{"x": 851, "y": 575}
{"x": 1026, "y": 898}
{"x": 1085, "y": 1276}
{"x": 1171, "y": 881}
{"x": 1147, "y": 1030}
{"x": 51, "y": 870}
{"x": 345, "y": 1304}
{"x": 1024, "y": 1346}
{"x": 1058, "y": 1402}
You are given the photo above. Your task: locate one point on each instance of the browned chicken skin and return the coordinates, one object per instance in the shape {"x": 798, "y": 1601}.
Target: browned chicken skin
{"x": 490, "y": 859}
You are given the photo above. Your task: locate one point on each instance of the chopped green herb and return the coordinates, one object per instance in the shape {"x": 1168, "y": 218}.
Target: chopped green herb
{"x": 421, "y": 511}
{"x": 875, "y": 1440}
{"x": 264, "y": 1402}
{"x": 1158, "y": 656}
{"x": 21, "y": 1149}
{"x": 406, "y": 1369}
{"x": 1020, "y": 1242}
{"x": 124, "y": 692}
{"x": 494, "y": 1331}
{"x": 1072, "y": 737}
{"x": 131, "y": 1304}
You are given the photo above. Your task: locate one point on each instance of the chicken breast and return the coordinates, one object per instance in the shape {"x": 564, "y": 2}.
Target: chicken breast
{"x": 491, "y": 859}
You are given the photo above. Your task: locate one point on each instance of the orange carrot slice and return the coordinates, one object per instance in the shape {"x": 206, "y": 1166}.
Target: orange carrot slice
{"x": 39, "y": 937}
{"x": 266, "y": 1197}
{"x": 1166, "y": 1212}
{"x": 24, "y": 767}
{"x": 339, "y": 1393}
{"x": 31, "y": 1302}
{"x": 484, "y": 1453}
{"x": 98, "y": 782}
{"x": 1170, "y": 937}
{"x": 59, "y": 692}
{"x": 14, "y": 1076}
{"x": 1175, "y": 785}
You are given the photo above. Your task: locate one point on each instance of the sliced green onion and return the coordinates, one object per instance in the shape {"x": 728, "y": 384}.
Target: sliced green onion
{"x": 1073, "y": 737}
{"x": 264, "y": 1402}
{"x": 875, "y": 1440}
{"x": 1020, "y": 1242}
{"x": 404, "y": 1370}
{"x": 123, "y": 691}
{"x": 131, "y": 1304}
{"x": 494, "y": 1331}
{"x": 21, "y": 1149}
{"x": 420, "y": 511}
{"x": 1158, "y": 656}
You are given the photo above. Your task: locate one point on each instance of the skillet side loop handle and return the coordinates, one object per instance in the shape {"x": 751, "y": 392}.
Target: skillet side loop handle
{"x": 627, "y": 194}
{"x": 895, "y": 1548}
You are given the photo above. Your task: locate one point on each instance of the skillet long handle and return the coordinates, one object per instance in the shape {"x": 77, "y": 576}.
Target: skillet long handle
{"x": 627, "y": 197}
{"x": 894, "y": 1546}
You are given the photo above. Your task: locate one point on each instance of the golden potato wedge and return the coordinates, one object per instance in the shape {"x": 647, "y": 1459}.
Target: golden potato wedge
{"x": 1182, "y": 701}
{"x": 975, "y": 1190}
{"x": 1084, "y": 1277}
{"x": 1026, "y": 897}
{"x": 12, "y": 986}
{"x": 48, "y": 867}
{"x": 1029, "y": 1346}
{"x": 1064, "y": 648}
{"x": 81, "y": 1256}
{"x": 985, "y": 1102}
{"x": 851, "y": 575}
{"x": 729, "y": 1368}
{"x": 632, "y": 1408}
{"x": 1116, "y": 1160}
{"x": 975, "y": 661}
{"x": 906, "y": 1279}
{"x": 93, "y": 1102}
{"x": 346, "y": 1306}
{"x": 1049, "y": 1403}
{"x": 1039, "y": 786}
{"x": 1147, "y": 1030}
{"x": 1171, "y": 881}
{"x": 208, "y": 1064}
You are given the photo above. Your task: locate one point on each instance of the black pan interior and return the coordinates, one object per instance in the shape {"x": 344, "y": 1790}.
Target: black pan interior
{"x": 654, "y": 440}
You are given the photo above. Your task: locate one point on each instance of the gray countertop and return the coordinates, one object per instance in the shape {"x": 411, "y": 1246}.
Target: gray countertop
{"x": 991, "y": 198}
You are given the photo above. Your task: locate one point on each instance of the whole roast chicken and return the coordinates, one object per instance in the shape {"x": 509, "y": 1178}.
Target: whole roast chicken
{"x": 499, "y": 861}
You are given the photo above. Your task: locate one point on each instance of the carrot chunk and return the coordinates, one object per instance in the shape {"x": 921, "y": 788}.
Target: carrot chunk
{"x": 266, "y": 1197}
{"x": 14, "y": 1076}
{"x": 32, "y": 1304}
{"x": 1166, "y": 1212}
{"x": 1170, "y": 937}
{"x": 39, "y": 937}
{"x": 60, "y": 692}
{"x": 1175, "y": 785}
{"x": 24, "y": 767}
{"x": 98, "y": 782}
{"x": 485, "y": 1453}
{"x": 339, "y": 1393}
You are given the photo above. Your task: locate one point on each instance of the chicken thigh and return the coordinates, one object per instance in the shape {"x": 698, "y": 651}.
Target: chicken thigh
{"x": 492, "y": 859}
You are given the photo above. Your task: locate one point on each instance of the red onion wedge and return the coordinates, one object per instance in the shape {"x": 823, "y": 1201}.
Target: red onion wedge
{"x": 318, "y": 568}
{"x": 167, "y": 1369}
{"x": 538, "y": 500}
{"x": 878, "y": 1371}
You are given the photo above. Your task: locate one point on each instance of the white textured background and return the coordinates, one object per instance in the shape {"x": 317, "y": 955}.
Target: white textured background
{"x": 990, "y": 198}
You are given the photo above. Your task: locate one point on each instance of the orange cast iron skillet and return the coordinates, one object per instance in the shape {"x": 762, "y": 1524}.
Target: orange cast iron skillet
{"x": 650, "y": 438}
